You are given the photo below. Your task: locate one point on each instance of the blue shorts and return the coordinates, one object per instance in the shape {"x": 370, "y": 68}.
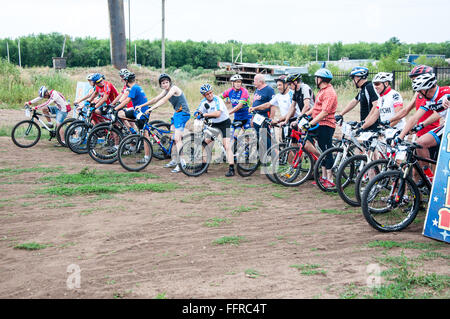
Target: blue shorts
{"x": 179, "y": 120}
{"x": 60, "y": 116}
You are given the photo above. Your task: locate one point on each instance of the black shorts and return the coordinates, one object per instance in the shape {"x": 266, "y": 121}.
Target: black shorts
{"x": 129, "y": 113}
{"x": 224, "y": 127}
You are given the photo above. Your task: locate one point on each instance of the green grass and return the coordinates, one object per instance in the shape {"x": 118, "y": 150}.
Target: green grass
{"x": 242, "y": 209}
{"x": 388, "y": 244}
{"x": 4, "y": 172}
{"x": 217, "y": 222}
{"x": 229, "y": 240}
{"x": 338, "y": 212}
{"x": 252, "y": 273}
{"x": 309, "y": 269}
{"x": 31, "y": 246}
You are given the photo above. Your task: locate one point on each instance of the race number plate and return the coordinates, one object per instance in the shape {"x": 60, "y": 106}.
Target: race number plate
{"x": 389, "y": 133}
{"x": 365, "y": 136}
{"x": 258, "y": 119}
{"x": 27, "y": 112}
{"x": 302, "y": 122}
{"x": 401, "y": 154}
{"x": 346, "y": 129}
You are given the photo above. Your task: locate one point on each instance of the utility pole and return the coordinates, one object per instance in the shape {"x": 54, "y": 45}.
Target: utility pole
{"x": 118, "y": 40}
{"x": 316, "y": 52}
{"x": 163, "y": 38}
{"x": 20, "y": 60}
{"x": 129, "y": 28}
{"x": 64, "y": 45}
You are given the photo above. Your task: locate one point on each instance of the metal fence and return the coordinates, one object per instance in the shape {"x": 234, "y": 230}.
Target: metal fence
{"x": 401, "y": 81}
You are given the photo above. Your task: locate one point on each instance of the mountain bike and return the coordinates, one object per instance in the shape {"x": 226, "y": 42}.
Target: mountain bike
{"x": 392, "y": 199}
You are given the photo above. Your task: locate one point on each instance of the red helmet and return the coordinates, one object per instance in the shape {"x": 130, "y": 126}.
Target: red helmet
{"x": 419, "y": 70}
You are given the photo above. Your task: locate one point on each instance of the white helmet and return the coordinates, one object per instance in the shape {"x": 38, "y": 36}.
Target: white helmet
{"x": 424, "y": 82}
{"x": 42, "y": 91}
{"x": 90, "y": 76}
{"x": 236, "y": 77}
{"x": 123, "y": 72}
{"x": 383, "y": 77}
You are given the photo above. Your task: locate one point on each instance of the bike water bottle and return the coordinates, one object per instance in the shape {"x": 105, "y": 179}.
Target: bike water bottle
{"x": 429, "y": 173}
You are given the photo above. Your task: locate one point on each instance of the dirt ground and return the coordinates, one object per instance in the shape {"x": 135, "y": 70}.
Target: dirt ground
{"x": 146, "y": 244}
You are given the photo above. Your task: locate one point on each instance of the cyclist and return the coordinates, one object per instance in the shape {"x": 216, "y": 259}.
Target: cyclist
{"x": 367, "y": 96}
{"x": 426, "y": 85}
{"x": 91, "y": 91}
{"x": 173, "y": 94}
{"x": 263, "y": 94}
{"x": 303, "y": 98}
{"x": 105, "y": 90}
{"x": 323, "y": 113}
{"x": 60, "y": 109}
{"x": 136, "y": 96}
{"x": 418, "y": 101}
{"x": 240, "y": 100}
{"x": 389, "y": 103}
{"x": 124, "y": 93}
{"x": 214, "y": 109}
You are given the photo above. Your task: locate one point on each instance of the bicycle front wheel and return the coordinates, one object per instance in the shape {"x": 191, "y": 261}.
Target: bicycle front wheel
{"x": 103, "y": 144}
{"x": 390, "y": 202}
{"x": 26, "y": 134}
{"x": 337, "y": 155}
{"x": 194, "y": 156}
{"x": 346, "y": 177}
{"x": 368, "y": 172}
{"x": 246, "y": 154}
{"x": 61, "y": 130}
{"x": 135, "y": 152}
{"x": 293, "y": 166}
{"x": 76, "y": 137}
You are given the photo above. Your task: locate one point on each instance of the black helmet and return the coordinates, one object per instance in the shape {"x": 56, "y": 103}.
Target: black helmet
{"x": 164, "y": 76}
{"x": 294, "y": 77}
{"x": 130, "y": 76}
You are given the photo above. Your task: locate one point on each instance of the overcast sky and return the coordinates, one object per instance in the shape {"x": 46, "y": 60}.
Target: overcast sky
{"x": 248, "y": 21}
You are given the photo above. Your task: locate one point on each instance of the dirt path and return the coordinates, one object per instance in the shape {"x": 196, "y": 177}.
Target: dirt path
{"x": 147, "y": 244}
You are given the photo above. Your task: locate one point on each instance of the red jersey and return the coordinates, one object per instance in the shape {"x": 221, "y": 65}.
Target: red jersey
{"x": 130, "y": 104}
{"x": 107, "y": 89}
{"x": 421, "y": 101}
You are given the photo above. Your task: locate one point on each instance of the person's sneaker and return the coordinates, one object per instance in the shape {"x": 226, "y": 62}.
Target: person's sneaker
{"x": 143, "y": 160}
{"x": 177, "y": 169}
{"x": 329, "y": 184}
{"x": 322, "y": 181}
{"x": 171, "y": 164}
{"x": 230, "y": 172}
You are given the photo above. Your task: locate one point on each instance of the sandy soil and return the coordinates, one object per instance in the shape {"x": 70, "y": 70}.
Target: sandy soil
{"x": 145, "y": 244}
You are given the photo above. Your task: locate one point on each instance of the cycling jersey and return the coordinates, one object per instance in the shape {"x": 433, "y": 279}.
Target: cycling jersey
{"x": 420, "y": 101}
{"x": 138, "y": 97}
{"x": 55, "y": 97}
{"x": 262, "y": 96}
{"x": 236, "y": 97}
{"x": 366, "y": 96}
{"x": 438, "y": 95}
{"x": 387, "y": 103}
{"x": 303, "y": 93}
{"x": 125, "y": 88}
{"x": 107, "y": 89}
{"x": 284, "y": 101}
{"x": 216, "y": 104}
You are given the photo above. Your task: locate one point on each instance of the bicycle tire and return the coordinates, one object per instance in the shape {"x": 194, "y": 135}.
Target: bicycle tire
{"x": 63, "y": 126}
{"x": 192, "y": 156}
{"x": 106, "y": 153}
{"x": 129, "y": 157}
{"x": 380, "y": 219}
{"x": 363, "y": 178}
{"x": 267, "y": 164}
{"x": 247, "y": 156}
{"x": 77, "y": 137}
{"x": 26, "y": 126}
{"x": 345, "y": 180}
{"x": 158, "y": 152}
{"x": 289, "y": 166}
{"x": 318, "y": 167}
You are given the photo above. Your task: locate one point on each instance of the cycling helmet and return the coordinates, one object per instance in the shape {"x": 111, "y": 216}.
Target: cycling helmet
{"x": 42, "y": 91}
{"x": 164, "y": 76}
{"x": 294, "y": 77}
{"x": 281, "y": 78}
{"x": 323, "y": 73}
{"x": 420, "y": 69}
{"x": 205, "y": 88}
{"x": 360, "y": 71}
{"x": 129, "y": 76}
{"x": 97, "y": 78}
{"x": 90, "y": 76}
{"x": 122, "y": 72}
{"x": 424, "y": 82}
{"x": 383, "y": 77}
{"x": 236, "y": 77}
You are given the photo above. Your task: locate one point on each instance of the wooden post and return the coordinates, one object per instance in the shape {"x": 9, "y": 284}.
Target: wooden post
{"x": 117, "y": 34}
{"x": 7, "y": 50}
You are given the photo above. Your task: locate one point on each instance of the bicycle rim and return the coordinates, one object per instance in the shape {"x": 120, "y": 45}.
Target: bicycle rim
{"x": 135, "y": 152}
{"x": 26, "y": 134}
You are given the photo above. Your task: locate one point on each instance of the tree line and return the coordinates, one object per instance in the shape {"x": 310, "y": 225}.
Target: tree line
{"x": 38, "y": 50}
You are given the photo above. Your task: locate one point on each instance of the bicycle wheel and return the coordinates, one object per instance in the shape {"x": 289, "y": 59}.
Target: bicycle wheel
{"x": 346, "y": 177}
{"x": 26, "y": 134}
{"x": 76, "y": 138}
{"x": 194, "y": 156}
{"x": 337, "y": 154}
{"x": 165, "y": 139}
{"x": 390, "y": 202}
{"x": 269, "y": 159}
{"x": 103, "y": 143}
{"x": 247, "y": 155}
{"x": 368, "y": 172}
{"x": 293, "y": 166}
{"x": 132, "y": 152}
{"x": 61, "y": 130}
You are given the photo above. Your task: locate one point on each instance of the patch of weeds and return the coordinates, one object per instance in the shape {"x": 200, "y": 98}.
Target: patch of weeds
{"x": 70, "y": 244}
{"x": 4, "y": 172}
{"x": 31, "y": 246}
{"x": 309, "y": 269}
{"x": 111, "y": 282}
{"x": 231, "y": 240}
{"x": 216, "y": 222}
{"x": 200, "y": 196}
{"x": 60, "y": 205}
{"x": 433, "y": 255}
{"x": 279, "y": 195}
{"x": 389, "y": 244}
{"x": 161, "y": 295}
{"x": 242, "y": 209}
{"x": 252, "y": 273}
{"x": 351, "y": 291}
{"x": 337, "y": 211}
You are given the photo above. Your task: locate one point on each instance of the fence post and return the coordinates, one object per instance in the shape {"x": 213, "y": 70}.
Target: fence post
{"x": 393, "y": 79}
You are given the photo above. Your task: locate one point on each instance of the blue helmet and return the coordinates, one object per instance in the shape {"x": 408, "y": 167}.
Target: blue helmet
{"x": 205, "y": 88}
{"x": 324, "y": 73}
{"x": 97, "y": 78}
{"x": 360, "y": 71}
